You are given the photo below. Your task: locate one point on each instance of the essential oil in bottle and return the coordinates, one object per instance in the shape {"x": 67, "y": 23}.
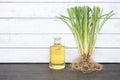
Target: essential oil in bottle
{"x": 57, "y": 55}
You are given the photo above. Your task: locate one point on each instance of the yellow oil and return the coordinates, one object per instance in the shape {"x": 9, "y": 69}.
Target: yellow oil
{"x": 57, "y": 57}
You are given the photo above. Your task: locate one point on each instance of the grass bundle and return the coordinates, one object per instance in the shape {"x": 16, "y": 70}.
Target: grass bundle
{"x": 85, "y": 24}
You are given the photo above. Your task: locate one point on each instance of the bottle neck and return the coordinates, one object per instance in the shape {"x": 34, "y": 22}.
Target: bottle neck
{"x": 57, "y": 41}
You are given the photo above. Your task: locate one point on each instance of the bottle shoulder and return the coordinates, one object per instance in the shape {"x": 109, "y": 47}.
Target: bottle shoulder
{"x": 57, "y": 46}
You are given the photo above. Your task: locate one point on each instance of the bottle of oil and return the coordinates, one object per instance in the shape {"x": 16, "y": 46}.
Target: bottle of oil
{"x": 57, "y": 55}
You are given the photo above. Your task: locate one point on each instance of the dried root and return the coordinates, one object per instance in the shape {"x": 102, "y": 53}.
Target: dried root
{"x": 85, "y": 64}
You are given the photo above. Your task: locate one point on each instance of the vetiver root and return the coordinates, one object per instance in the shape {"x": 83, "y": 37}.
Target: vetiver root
{"x": 85, "y": 64}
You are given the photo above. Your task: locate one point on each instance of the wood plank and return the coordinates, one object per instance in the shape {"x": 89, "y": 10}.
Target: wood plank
{"x": 42, "y": 72}
{"x": 61, "y": 0}
{"x": 49, "y": 10}
{"x": 48, "y": 26}
{"x": 47, "y": 40}
{"x": 42, "y": 55}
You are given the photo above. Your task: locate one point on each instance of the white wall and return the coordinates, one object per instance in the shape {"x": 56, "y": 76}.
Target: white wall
{"x": 27, "y": 28}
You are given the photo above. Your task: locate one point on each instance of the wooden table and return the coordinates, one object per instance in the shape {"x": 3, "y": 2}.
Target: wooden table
{"x": 42, "y": 72}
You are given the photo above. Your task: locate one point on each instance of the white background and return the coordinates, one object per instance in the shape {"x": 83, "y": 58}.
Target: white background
{"x": 27, "y": 28}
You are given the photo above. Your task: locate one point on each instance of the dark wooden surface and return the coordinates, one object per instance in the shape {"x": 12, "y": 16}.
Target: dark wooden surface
{"x": 42, "y": 72}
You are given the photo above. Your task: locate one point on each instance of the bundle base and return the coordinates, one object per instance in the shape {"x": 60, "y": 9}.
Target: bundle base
{"x": 85, "y": 64}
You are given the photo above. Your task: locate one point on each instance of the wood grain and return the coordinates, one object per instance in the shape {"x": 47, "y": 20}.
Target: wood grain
{"x": 42, "y": 72}
{"x": 39, "y": 55}
{"x": 41, "y": 10}
{"x": 45, "y": 40}
{"x": 48, "y": 26}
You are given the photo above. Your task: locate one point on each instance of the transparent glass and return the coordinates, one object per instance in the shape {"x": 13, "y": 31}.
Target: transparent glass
{"x": 57, "y": 55}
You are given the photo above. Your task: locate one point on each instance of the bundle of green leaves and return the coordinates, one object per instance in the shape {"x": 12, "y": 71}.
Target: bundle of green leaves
{"x": 85, "y": 23}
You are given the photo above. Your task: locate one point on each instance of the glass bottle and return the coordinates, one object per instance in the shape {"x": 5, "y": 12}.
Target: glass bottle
{"x": 57, "y": 55}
